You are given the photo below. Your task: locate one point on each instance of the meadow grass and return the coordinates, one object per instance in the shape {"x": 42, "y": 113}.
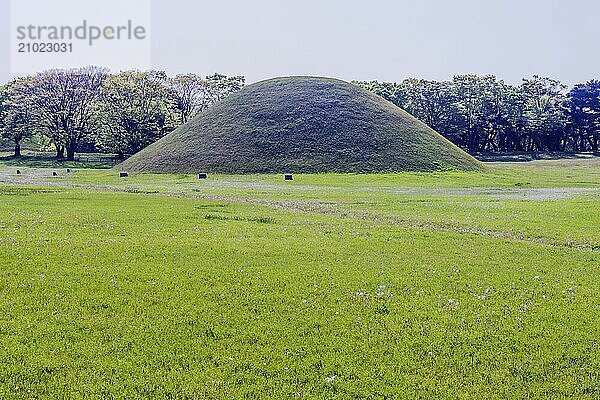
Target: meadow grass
{"x": 445, "y": 285}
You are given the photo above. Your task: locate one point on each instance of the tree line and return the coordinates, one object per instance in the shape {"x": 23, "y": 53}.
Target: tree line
{"x": 123, "y": 113}
{"x": 484, "y": 114}
{"x": 114, "y": 113}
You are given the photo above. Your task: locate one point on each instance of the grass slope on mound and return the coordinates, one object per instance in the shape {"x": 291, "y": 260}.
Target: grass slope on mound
{"x": 301, "y": 124}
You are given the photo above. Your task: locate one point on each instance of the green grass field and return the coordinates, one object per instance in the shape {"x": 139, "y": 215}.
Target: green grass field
{"x": 441, "y": 285}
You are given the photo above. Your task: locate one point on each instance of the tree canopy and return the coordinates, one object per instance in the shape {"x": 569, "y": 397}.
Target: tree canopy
{"x": 125, "y": 112}
{"x": 484, "y": 114}
{"x": 117, "y": 113}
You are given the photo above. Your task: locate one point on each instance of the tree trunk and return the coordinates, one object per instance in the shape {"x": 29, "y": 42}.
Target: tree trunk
{"x": 17, "y": 149}
{"x": 60, "y": 152}
{"x": 71, "y": 153}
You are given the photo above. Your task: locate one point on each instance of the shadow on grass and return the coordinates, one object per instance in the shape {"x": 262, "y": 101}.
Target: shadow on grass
{"x": 525, "y": 157}
{"x": 95, "y": 161}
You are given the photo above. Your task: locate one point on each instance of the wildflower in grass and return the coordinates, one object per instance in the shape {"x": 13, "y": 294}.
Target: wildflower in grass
{"x": 523, "y": 308}
{"x": 330, "y": 379}
{"x": 570, "y": 292}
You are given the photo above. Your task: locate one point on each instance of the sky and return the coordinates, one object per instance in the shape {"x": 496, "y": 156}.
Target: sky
{"x": 387, "y": 40}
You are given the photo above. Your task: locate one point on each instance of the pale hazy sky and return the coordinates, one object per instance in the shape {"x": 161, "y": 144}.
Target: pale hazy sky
{"x": 376, "y": 39}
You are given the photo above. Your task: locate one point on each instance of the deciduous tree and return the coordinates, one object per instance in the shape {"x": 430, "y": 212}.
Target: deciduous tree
{"x": 65, "y": 102}
{"x": 17, "y": 117}
{"x": 137, "y": 109}
{"x": 193, "y": 94}
{"x": 584, "y": 111}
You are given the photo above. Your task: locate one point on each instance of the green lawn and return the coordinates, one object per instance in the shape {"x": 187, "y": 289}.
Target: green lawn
{"x": 444, "y": 285}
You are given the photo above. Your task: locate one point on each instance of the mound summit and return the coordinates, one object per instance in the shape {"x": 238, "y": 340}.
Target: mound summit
{"x": 302, "y": 125}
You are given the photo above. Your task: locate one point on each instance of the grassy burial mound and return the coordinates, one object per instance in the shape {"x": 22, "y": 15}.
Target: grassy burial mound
{"x": 301, "y": 124}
